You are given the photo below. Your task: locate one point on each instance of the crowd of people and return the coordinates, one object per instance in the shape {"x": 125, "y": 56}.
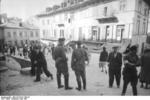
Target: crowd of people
{"x": 114, "y": 63}
{"x": 130, "y": 60}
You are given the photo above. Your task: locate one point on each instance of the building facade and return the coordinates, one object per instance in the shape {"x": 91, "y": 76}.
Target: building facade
{"x": 17, "y": 34}
{"x": 98, "y": 20}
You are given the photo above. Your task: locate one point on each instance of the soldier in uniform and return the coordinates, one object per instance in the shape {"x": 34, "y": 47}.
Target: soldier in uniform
{"x": 41, "y": 64}
{"x": 79, "y": 57}
{"x": 61, "y": 64}
{"x": 115, "y": 63}
{"x": 32, "y": 58}
{"x": 131, "y": 61}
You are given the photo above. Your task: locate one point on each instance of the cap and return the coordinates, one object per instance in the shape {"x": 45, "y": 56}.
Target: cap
{"x": 79, "y": 42}
{"x": 134, "y": 47}
{"x": 61, "y": 39}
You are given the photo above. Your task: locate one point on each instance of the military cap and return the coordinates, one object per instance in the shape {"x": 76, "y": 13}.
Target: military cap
{"x": 61, "y": 39}
{"x": 134, "y": 47}
{"x": 79, "y": 42}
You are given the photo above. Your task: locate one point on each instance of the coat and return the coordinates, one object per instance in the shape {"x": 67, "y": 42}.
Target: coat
{"x": 145, "y": 68}
{"x": 130, "y": 70}
{"x": 79, "y": 56}
{"x": 40, "y": 58}
{"x": 115, "y": 62}
{"x": 60, "y": 58}
{"x": 103, "y": 56}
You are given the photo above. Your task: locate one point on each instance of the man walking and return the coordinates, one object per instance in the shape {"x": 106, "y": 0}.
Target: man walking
{"x": 115, "y": 63}
{"x": 61, "y": 64}
{"x": 41, "y": 64}
{"x": 131, "y": 61}
{"x": 79, "y": 57}
{"x": 103, "y": 60}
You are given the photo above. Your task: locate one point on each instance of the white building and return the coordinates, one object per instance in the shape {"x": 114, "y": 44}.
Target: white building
{"x": 98, "y": 20}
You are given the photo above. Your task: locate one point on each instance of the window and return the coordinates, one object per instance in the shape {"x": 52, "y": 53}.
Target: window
{"x": 105, "y": 11}
{"x": 20, "y": 34}
{"x": 48, "y": 22}
{"x": 31, "y": 34}
{"x": 138, "y": 26}
{"x": 43, "y": 22}
{"x": 26, "y": 34}
{"x": 140, "y": 6}
{"x": 37, "y": 34}
{"x": 107, "y": 30}
{"x": 9, "y": 34}
{"x": 62, "y": 33}
{"x": 144, "y": 27}
{"x": 15, "y": 34}
{"x": 123, "y": 4}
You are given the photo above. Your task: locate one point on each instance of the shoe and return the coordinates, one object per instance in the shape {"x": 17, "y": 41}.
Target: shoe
{"x": 51, "y": 77}
{"x": 110, "y": 86}
{"x": 36, "y": 80}
{"x": 118, "y": 86}
{"x": 61, "y": 86}
{"x": 79, "y": 89}
{"x": 141, "y": 86}
{"x": 68, "y": 88}
{"x": 123, "y": 94}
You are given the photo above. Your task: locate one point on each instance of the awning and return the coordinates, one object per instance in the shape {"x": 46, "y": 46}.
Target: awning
{"x": 108, "y": 20}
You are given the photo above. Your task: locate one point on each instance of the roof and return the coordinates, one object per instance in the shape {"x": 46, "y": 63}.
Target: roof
{"x": 74, "y": 7}
{"x": 148, "y": 2}
{"x": 18, "y": 26}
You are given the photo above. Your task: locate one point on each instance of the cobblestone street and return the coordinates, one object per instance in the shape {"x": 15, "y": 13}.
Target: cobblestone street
{"x": 13, "y": 83}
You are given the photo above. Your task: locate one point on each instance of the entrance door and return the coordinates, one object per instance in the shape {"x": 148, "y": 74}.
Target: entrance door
{"x": 120, "y": 32}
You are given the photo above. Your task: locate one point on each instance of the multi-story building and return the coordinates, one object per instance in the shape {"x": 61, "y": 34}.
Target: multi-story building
{"x": 18, "y": 33}
{"x": 98, "y": 20}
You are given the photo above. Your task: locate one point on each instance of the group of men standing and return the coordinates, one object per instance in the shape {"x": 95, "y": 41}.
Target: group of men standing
{"x": 79, "y": 60}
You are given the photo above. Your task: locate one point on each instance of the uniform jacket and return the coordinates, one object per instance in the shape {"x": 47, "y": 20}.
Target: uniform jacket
{"x": 40, "y": 58}
{"x": 60, "y": 58}
{"x": 115, "y": 62}
{"x": 79, "y": 57}
{"x": 103, "y": 56}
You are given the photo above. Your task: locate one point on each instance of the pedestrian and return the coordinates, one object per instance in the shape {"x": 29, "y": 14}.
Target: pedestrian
{"x": 32, "y": 56}
{"x": 131, "y": 61}
{"x": 114, "y": 64}
{"x": 103, "y": 60}
{"x": 79, "y": 57}
{"x": 145, "y": 67}
{"x": 41, "y": 65}
{"x": 61, "y": 64}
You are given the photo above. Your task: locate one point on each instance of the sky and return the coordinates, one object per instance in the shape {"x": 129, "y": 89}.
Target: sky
{"x": 26, "y": 8}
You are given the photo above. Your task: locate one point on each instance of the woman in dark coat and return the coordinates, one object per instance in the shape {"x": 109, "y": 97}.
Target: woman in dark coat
{"x": 145, "y": 68}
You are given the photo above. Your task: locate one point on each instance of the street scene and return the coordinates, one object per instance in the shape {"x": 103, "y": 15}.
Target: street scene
{"x": 75, "y": 48}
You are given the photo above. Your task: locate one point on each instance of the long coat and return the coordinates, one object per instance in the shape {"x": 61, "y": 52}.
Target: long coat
{"x": 145, "y": 68}
{"x": 60, "y": 59}
{"x": 115, "y": 62}
{"x": 79, "y": 56}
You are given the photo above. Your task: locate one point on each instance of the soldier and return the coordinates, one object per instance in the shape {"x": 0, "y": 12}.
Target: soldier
{"x": 103, "y": 59}
{"x": 115, "y": 63}
{"x": 131, "y": 61}
{"x": 61, "y": 64}
{"x": 41, "y": 64}
{"x": 79, "y": 57}
{"x": 32, "y": 58}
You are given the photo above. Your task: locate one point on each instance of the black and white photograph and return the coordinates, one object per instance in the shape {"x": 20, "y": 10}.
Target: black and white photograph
{"x": 74, "y": 48}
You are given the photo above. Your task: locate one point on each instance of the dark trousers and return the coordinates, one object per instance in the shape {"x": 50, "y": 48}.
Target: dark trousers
{"x": 66, "y": 78}
{"x": 81, "y": 75}
{"x": 33, "y": 68}
{"x": 133, "y": 79}
{"x": 39, "y": 72}
{"x": 114, "y": 73}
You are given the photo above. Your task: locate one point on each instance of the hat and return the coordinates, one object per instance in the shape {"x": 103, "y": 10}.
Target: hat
{"x": 147, "y": 47}
{"x": 134, "y": 47}
{"x": 115, "y": 47}
{"x": 79, "y": 42}
{"x": 61, "y": 39}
